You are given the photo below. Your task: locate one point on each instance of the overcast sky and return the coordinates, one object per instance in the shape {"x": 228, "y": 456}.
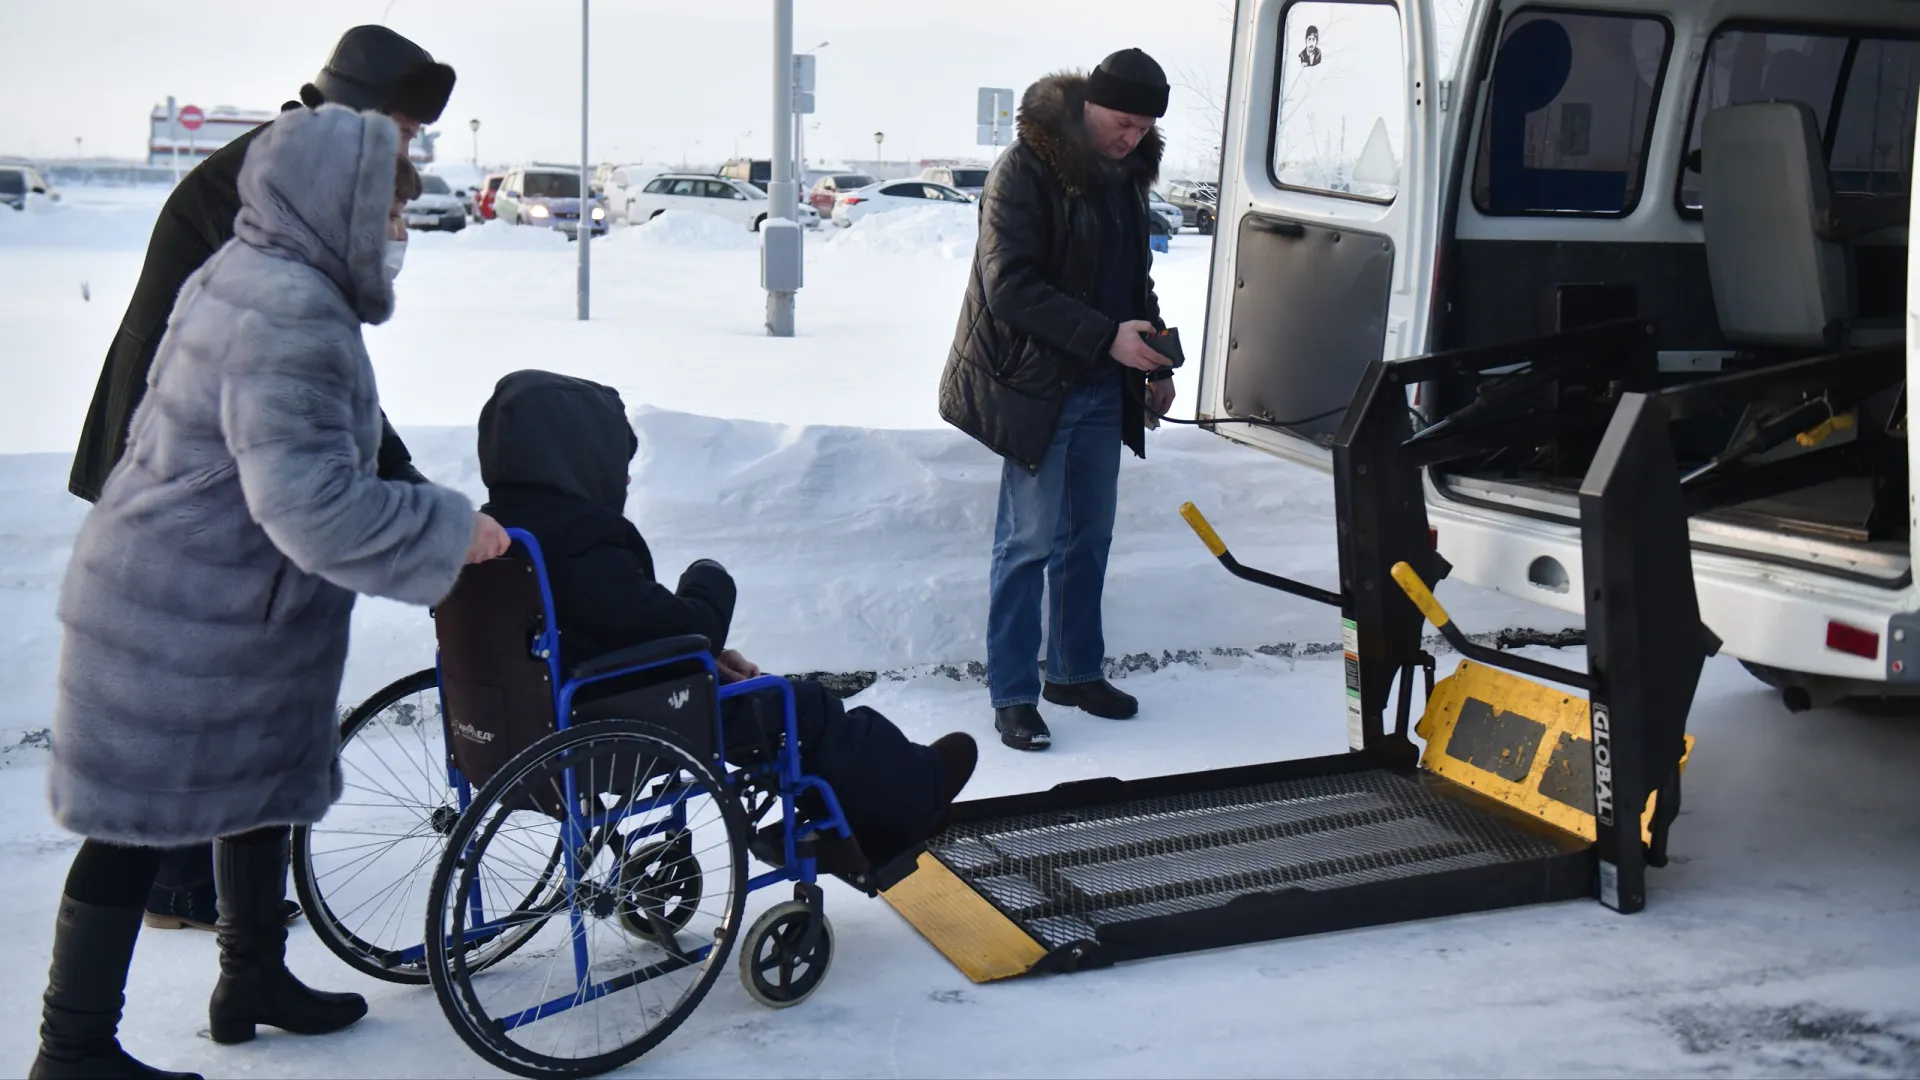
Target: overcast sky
{"x": 669, "y": 79}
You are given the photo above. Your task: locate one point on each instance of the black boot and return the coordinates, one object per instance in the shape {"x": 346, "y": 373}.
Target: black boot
{"x": 86, "y": 986}
{"x": 958, "y": 755}
{"x": 1020, "y": 727}
{"x": 1097, "y": 697}
{"x": 191, "y": 907}
{"x": 255, "y": 986}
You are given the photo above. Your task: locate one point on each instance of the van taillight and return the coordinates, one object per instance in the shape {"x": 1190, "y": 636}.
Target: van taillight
{"x": 1853, "y": 640}
{"x": 1433, "y": 537}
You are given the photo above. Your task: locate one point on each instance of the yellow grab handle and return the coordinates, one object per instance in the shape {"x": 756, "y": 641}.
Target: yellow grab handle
{"x": 1203, "y": 530}
{"x": 1819, "y": 433}
{"x": 1421, "y": 596}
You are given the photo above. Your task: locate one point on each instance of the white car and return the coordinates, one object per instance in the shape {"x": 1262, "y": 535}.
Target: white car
{"x": 437, "y": 208}
{"x": 890, "y": 195}
{"x": 735, "y": 200}
{"x": 621, "y": 185}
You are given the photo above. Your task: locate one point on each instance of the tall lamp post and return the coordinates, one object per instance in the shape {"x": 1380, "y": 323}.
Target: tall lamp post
{"x": 474, "y": 126}
{"x": 879, "y": 144}
{"x": 583, "y": 225}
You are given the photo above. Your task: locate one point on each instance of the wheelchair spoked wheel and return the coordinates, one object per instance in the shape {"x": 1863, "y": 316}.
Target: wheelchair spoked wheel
{"x": 588, "y": 993}
{"x": 362, "y": 873}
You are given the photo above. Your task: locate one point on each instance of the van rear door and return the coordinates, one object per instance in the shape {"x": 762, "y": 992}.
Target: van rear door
{"x": 1323, "y": 258}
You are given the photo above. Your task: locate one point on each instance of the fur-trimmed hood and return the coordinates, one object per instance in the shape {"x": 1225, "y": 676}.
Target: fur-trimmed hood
{"x": 316, "y": 189}
{"x": 1051, "y": 125}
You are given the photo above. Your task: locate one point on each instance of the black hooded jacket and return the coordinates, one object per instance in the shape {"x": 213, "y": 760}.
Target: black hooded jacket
{"x": 1029, "y": 326}
{"x": 554, "y": 452}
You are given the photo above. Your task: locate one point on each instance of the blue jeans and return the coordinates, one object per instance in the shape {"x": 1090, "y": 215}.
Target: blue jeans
{"x": 1055, "y": 528}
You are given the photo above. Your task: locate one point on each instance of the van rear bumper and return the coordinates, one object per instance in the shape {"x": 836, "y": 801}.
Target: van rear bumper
{"x": 1762, "y": 613}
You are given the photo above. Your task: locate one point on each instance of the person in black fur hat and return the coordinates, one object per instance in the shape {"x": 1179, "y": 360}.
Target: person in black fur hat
{"x": 1050, "y": 369}
{"x": 371, "y": 68}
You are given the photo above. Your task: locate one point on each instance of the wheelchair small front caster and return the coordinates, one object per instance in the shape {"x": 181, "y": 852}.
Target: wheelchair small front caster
{"x": 778, "y": 966}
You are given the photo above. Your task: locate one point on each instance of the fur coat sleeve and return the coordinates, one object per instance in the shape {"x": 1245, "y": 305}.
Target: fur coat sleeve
{"x": 287, "y": 412}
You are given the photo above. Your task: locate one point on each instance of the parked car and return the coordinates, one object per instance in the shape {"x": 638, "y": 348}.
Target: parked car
{"x": 17, "y": 182}
{"x": 483, "y": 199}
{"x": 622, "y": 188}
{"x": 827, "y": 189}
{"x": 755, "y": 171}
{"x": 971, "y": 179}
{"x": 548, "y": 197}
{"x": 734, "y": 200}
{"x": 1199, "y": 203}
{"x": 437, "y": 207}
{"x": 1167, "y": 212}
{"x": 892, "y": 195}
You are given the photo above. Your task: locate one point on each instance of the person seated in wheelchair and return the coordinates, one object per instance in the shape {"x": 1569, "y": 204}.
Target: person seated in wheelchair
{"x": 554, "y": 452}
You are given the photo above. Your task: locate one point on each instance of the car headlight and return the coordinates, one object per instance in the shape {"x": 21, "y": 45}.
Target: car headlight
{"x": 536, "y": 210}
{"x": 599, "y": 213}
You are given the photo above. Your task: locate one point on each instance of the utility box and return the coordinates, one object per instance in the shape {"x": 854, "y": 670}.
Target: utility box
{"x": 782, "y": 255}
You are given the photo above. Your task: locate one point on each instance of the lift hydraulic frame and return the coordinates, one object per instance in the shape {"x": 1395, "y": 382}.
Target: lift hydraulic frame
{"x": 1527, "y": 793}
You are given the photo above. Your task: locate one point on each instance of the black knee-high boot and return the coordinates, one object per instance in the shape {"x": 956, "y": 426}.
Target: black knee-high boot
{"x": 86, "y": 987}
{"x": 255, "y": 987}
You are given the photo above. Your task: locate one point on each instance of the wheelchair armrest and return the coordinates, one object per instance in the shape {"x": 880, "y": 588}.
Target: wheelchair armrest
{"x": 648, "y": 654}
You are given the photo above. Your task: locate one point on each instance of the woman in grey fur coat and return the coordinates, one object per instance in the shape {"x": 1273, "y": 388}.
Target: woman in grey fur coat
{"x": 207, "y": 600}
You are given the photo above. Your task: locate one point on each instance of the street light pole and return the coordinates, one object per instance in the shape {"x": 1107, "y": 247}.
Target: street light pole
{"x": 879, "y": 145}
{"x": 584, "y": 223}
{"x": 474, "y": 126}
{"x": 781, "y": 239}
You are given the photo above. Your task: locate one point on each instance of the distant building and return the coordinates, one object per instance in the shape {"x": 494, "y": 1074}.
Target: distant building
{"x": 223, "y": 124}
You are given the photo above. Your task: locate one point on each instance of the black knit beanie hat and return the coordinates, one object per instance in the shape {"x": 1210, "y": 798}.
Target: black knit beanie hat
{"x": 1129, "y": 81}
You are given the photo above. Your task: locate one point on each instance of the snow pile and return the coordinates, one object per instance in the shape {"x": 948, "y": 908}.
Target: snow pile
{"x": 494, "y": 235}
{"x": 689, "y": 230}
{"x": 116, "y": 225}
{"x": 942, "y": 229}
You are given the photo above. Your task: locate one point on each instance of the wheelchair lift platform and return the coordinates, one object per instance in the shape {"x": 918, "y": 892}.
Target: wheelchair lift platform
{"x": 1514, "y": 800}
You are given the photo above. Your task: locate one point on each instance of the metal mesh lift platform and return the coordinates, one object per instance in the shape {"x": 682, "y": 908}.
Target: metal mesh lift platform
{"x": 1514, "y": 801}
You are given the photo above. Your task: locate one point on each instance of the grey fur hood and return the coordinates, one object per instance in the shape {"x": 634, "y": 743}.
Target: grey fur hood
{"x": 1050, "y": 122}
{"x": 316, "y": 189}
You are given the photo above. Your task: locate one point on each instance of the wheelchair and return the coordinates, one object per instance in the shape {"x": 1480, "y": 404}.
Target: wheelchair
{"x": 577, "y": 839}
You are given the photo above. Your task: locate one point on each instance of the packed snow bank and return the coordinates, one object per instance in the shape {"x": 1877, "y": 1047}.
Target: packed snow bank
{"x": 942, "y": 229}
{"x": 490, "y": 236}
{"x": 116, "y": 219}
{"x": 689, "y": 230}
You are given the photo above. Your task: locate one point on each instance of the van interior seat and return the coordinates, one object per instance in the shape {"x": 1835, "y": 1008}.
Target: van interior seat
{"x": 1779, "y": 249}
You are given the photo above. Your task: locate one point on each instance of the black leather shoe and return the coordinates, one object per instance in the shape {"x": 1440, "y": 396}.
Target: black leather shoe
{"x": 1020, "y": 727}
{"x": 958, "y": 756}
{"x": 1097, "y": 697}
{"x": 191, "y": 907}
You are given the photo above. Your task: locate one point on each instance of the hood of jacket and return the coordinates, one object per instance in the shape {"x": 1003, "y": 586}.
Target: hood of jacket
{"x": 315, "y": 189}
{"x": 1051, "y": 123}
{"x": 560, "y": 433}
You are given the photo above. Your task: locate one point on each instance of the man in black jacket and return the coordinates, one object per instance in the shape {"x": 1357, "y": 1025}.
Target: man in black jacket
{"x": 554, "y": 452}
{"x": 371, "y": 68}
{"x": 1050, "y": 369}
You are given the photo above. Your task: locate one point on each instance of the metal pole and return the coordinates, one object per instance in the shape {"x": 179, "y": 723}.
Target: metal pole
{"x": 173, "y": 136}
{"x": 780, "y": 191}
{"x": 584, "y": 229}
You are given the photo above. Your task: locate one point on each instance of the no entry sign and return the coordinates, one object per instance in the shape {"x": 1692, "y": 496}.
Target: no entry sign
{"x": 191, "y": 117}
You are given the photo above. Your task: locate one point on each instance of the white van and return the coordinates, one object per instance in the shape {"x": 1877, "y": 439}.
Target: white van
{"x": 1409, "y": 177}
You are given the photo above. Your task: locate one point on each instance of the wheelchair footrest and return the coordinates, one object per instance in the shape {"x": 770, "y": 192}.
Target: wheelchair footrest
{"x": 832, "y": 854}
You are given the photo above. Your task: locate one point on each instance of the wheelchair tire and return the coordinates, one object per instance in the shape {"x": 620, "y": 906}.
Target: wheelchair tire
{"x": 397, "y": 808}
{"x": 776, "y": 967}
{"x": 546, "y": 1034}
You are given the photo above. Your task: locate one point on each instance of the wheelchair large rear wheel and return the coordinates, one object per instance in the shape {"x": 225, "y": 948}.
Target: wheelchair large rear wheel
{"x": 362, "y": 872}
{"x": 650, "y": 898}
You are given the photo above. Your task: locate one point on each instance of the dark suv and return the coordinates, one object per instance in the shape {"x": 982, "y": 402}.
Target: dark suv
{"x": 1199, "y": 203}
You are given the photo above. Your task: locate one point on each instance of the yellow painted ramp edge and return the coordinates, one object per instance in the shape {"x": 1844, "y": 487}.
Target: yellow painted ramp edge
{"x": 1560, "y": 713}
{"x": 984, "y": 944}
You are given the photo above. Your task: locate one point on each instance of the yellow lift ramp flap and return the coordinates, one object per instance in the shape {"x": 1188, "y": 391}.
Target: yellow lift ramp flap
{"x": 1520, "y": 797}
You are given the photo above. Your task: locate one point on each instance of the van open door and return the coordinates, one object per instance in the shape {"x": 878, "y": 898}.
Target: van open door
{"x": 1329, "y": 205}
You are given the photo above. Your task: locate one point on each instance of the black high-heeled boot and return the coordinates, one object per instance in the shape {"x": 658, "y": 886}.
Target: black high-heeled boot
{"x": 86, "y": 987}
{"x": 250, "y": 875}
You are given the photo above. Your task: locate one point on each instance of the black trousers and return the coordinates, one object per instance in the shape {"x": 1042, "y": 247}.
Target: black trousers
{"x": 118, "y": 875}
{"x": 887, "y": 785}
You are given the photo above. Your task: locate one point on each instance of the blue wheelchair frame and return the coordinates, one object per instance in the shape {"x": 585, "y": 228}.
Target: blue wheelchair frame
{"x": 783, "y": 770}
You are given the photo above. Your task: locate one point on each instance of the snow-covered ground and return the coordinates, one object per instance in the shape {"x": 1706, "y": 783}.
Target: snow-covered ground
{"x": 1784, "y": 940}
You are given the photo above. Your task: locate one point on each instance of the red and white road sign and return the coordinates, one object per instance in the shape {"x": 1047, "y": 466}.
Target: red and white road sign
{"x": 191, "y": 117}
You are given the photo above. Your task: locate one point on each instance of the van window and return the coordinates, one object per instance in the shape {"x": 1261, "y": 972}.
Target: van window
{"x": 1566, "y": 127}
{"x": 1341, "y": 123}
{"x": 1862, "y": 92}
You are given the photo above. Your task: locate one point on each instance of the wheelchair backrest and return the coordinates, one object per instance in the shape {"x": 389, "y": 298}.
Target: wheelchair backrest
{"x": 499, "y": 694}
